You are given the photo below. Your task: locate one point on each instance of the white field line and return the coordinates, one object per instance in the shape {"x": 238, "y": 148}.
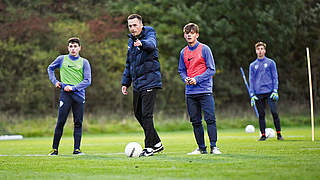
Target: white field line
{"x": 24, "y": 155}
{"x": 310, "y": 148}
{"x": 244, "y": 137}
{"x": 19, "y": 155}
{"x": 296, "y": 136}
{"x": 11, "y": 137}
{"x": 98, "y": 154}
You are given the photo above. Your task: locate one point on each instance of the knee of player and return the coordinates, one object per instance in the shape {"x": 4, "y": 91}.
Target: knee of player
{"x": 262, "y": 114}
{"x": 274, "y": 113}
{"x": 210, "y": 121}
{"x": 77, "y": 125}
{"x": 197, "y": 124}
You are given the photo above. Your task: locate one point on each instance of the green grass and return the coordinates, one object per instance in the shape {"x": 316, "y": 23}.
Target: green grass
{"x": 243, "y": 157}
{"x": 43, "y": 125}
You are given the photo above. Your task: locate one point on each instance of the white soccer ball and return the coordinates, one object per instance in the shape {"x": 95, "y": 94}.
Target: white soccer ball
{"x": 250, "y": 129}
{"x": 133, "y": 149}
{"x": 270, "y": 133}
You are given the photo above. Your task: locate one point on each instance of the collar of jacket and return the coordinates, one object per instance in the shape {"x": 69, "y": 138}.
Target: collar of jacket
{"x": 141, "y": 35}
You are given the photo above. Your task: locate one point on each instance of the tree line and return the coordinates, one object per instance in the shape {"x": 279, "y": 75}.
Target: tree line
{"x": 34, "y": 33}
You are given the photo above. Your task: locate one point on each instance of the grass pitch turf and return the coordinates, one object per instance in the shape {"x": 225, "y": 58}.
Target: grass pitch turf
{"x": 243, "y": 157}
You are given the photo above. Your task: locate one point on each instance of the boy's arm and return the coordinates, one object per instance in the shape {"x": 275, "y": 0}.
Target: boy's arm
{"x": 182, "y": 67}
{"x": 86, "y": 77}
{"x": 251, "y": 81}
{"x": 274, "y": 72}
{"x": 51, "y": 68}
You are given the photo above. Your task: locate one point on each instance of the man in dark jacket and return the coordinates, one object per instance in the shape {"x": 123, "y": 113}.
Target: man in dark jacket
{"x": 143, "y": 71}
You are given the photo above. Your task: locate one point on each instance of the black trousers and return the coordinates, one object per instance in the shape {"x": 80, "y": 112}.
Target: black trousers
{"x": 143, "y": 105}
{"x": 261, "y": 103}
{"x": 69, "y": 100}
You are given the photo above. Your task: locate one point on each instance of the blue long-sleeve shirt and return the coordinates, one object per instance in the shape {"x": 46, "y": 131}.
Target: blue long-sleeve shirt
{"x": 263, "y": 76}
{"x": 204, "y": 81}
{"x": 78, "y": 89}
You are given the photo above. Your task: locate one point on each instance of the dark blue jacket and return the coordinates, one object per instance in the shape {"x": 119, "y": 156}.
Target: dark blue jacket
{"x": 142, "y": 64}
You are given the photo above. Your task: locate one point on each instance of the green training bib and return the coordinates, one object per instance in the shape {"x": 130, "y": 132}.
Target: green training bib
{"x": 71, "y": 72}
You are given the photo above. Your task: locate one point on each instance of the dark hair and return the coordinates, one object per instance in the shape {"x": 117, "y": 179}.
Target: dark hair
{"x": 74, "y": 40}
{"x": 189, "y": 27}
{"x": 133, "y": 16}
{"x": 260, "y": 44}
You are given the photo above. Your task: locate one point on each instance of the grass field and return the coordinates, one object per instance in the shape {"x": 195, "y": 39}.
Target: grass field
{"x": 243, "y": 157}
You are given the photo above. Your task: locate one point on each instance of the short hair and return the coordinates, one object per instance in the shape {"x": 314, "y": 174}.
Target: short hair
{"x": 74, "y": 40}
{"x": 133, "y": 16}
{"x": 260, "y": 43}
{"x": 191, "y": 27}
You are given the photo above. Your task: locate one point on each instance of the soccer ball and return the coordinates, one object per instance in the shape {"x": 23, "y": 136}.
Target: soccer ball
{"x": 133, "y": 149}
{"x": 250, "y": 129}
{"x": 270, "y": 133}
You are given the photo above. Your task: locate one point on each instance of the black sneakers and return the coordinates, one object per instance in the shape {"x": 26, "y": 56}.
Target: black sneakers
{"x": 77, "y": 152}
{"x": 53, "y": 152}
{"x": 262, "y": 138}
{"x": 157, "y": 148}
{"x": 279, "y": 137}
{"x": 146, "y": 152}
{"x": 150, "y": 151}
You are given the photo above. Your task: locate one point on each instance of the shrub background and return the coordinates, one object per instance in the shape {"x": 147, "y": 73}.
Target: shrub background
{"x": 34, "y": 33}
